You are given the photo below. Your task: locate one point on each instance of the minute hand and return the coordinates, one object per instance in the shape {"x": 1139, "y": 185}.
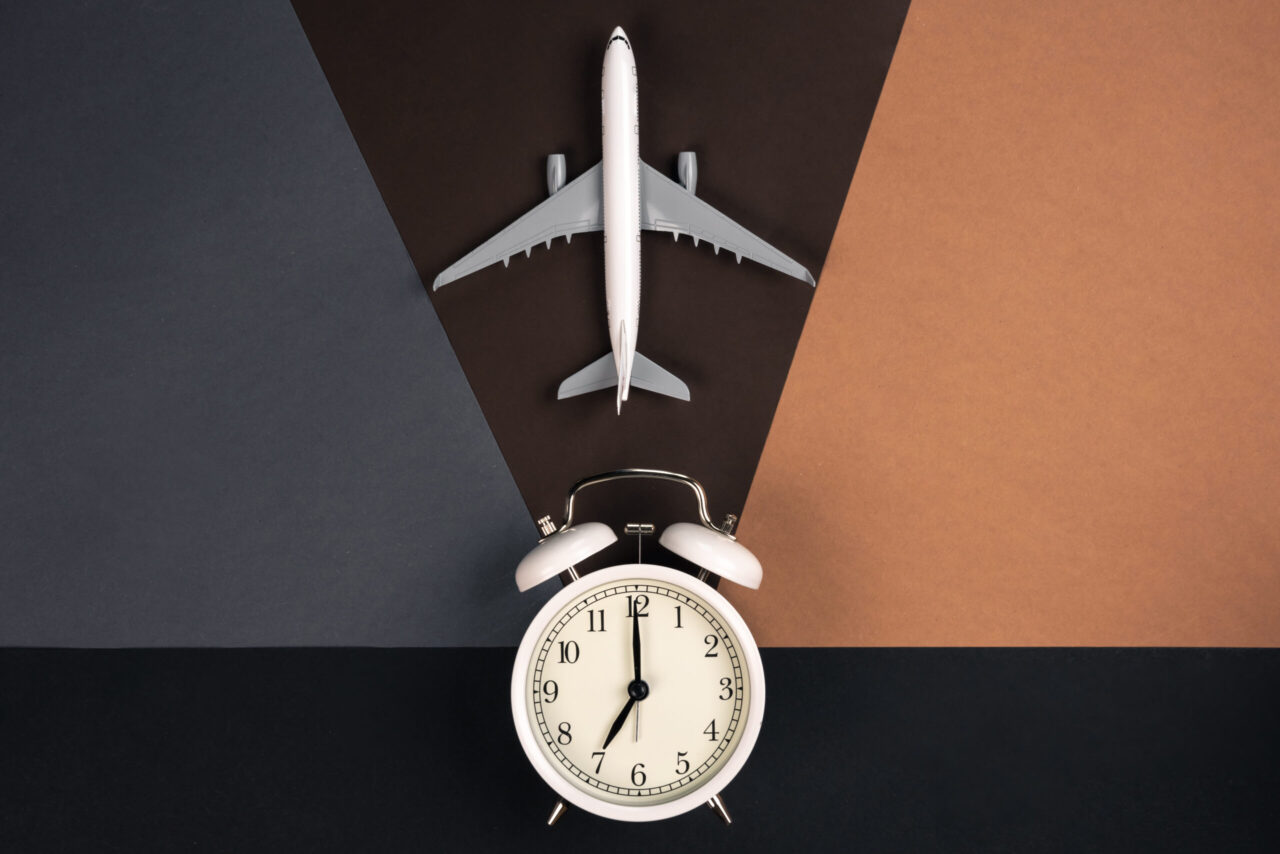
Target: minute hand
{"x": 635, "y": 642}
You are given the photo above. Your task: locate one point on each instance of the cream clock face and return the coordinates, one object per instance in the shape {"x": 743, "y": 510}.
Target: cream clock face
{"x": 635, "y": 689}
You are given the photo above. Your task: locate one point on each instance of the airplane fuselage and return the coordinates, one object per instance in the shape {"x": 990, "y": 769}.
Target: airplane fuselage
{"x": 620, "y": 118}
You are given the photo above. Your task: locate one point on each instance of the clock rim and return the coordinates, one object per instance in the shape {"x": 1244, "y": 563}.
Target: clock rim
{"x": 719, "y": 779}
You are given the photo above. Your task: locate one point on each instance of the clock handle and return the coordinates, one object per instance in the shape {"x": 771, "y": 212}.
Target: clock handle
{"x": 704, "y": 516}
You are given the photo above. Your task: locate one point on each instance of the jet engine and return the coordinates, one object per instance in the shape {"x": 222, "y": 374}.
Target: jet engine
{"x": 687, "y": 170}
{"x": 555, "y": 173}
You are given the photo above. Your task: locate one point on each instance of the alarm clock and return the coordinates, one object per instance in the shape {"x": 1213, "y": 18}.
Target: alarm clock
{"x": 638, "y": 690}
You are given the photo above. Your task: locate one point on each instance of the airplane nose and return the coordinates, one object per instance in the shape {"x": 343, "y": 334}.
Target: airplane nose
{"x": 616, "y": 35}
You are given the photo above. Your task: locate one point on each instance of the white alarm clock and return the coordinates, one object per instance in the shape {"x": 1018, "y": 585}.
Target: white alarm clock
{"x": 638, "y": 691}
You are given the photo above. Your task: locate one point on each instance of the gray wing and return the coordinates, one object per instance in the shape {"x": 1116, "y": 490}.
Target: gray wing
{"x": 576, "y": 207}
{"x": 667, "y": 206}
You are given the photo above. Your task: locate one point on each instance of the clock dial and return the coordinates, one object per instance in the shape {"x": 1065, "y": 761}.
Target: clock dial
{"x": 637, "y": 691}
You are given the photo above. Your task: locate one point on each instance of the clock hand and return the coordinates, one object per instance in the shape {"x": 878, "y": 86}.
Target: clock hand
{"x": 635, "y": 658}
{"x": 635, "y": 641}
{"x": 617, "y": 724}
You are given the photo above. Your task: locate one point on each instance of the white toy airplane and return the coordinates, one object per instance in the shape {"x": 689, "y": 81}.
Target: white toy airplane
{"x": 621, "y": 195}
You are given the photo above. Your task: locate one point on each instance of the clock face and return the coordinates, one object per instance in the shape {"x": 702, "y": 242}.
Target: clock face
{"x": 639, "y": 687}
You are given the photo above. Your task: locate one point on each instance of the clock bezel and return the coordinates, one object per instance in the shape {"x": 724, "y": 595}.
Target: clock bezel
{"x": 717, "y": 779}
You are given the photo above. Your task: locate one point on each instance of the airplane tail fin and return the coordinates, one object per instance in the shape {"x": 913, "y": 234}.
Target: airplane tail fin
{"x": 624, "y": 370}
{"x": 602, "y": 374}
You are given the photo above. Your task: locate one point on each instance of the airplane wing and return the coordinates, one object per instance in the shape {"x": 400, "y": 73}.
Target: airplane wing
{"x": 576, "y": 207}
{"x": 667, "y": 206}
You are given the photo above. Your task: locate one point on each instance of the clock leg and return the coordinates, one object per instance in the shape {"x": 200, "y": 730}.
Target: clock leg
{"x": 558, "y": 810}
{"x": 717, "y": 805}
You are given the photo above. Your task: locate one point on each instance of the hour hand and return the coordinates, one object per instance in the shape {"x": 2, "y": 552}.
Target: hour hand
{"x": 617, "y": 724}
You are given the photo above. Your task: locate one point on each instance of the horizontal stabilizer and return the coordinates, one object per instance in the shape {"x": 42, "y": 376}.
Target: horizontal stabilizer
{"x": 602, "y": 374}
{"x": 647, "y": 375}
{"x": 598, "y": 375}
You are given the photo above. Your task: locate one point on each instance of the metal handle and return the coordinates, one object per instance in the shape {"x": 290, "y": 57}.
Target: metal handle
{"x": 655, "y": 474}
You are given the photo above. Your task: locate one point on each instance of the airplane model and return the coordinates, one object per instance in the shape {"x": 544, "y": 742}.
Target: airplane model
{"x": 621, "y": 195}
